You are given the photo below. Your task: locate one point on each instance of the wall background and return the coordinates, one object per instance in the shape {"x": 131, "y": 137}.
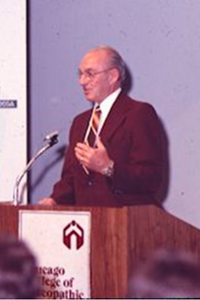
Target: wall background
{"x": 160, "y": 41}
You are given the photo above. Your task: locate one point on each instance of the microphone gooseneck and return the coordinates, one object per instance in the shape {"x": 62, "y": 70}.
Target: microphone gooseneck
{"x": 51, "y": 139}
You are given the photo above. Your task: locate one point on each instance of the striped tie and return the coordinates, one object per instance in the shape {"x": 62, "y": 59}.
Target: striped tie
{"x": 93, "y": 134}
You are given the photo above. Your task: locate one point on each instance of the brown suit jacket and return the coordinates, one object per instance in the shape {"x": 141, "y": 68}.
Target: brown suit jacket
{"x": 132, "y": 136}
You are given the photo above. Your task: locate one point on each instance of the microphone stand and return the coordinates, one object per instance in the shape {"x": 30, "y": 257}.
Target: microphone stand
{"x": 53, "y": 140}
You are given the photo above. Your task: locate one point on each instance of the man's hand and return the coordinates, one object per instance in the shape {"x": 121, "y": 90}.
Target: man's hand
{"x": 47, "y": 201}
{"x": 95, "y": 159}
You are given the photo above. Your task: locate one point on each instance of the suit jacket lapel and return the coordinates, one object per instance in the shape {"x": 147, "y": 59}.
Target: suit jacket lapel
{"x": 115, "y": 118}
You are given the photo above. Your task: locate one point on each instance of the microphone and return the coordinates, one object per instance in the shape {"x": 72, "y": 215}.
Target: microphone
{"x": 52, "y": 139}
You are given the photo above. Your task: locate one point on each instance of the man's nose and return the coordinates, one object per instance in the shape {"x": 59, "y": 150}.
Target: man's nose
{"x": 83, "y": 79}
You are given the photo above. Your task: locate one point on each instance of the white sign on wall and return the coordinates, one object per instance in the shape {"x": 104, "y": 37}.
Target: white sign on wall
{"x": 13, "y": 131}
{"x": 61, "y": 242}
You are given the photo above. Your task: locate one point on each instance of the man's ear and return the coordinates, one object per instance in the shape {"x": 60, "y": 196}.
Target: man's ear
{"x": 114, "y": 75}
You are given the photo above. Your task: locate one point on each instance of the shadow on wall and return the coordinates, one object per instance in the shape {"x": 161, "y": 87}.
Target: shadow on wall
{"x": 129, "y": 81}
{"x": 162, "y": 193}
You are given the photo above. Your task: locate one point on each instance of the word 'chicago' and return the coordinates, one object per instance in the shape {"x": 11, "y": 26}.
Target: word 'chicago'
{"x": 51, "y": 271}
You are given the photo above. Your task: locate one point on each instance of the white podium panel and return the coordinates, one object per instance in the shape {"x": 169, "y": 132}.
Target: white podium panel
{"x": 61, "y": 241}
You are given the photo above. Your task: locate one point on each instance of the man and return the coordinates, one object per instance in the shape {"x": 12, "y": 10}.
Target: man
{"x": 124, "y": 165}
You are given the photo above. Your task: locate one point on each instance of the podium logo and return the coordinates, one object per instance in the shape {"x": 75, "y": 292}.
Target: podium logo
{"x": 73, "y": 234}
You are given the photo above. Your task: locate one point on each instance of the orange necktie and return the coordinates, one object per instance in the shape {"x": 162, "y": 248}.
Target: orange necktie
{"x": 93, "y": 134}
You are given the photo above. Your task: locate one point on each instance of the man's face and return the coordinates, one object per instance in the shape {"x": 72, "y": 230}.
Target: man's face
{"x": 95, "y": 75}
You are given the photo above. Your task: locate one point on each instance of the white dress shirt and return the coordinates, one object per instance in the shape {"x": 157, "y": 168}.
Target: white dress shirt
{"x": 106, "y": 105}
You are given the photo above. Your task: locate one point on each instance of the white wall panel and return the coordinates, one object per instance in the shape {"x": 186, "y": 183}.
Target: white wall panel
{"x": 13, "y": 131}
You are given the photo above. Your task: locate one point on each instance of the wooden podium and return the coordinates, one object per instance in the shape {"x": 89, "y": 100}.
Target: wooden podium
{"x": 120, "y": 237}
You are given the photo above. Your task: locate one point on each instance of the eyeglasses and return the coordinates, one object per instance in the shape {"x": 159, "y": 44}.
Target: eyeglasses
{"x": 90, "y": 74}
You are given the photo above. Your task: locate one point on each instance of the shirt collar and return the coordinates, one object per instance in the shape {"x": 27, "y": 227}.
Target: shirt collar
{"x": 107, "y": 103}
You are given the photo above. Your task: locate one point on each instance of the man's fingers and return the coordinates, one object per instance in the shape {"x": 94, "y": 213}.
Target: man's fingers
{"x": 99, "y": 143}
{"x": 82, "y": 146}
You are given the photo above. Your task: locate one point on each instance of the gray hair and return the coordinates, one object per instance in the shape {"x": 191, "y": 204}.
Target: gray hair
{"x": 166, "y": 274}
{"x": 115, "y": 60}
